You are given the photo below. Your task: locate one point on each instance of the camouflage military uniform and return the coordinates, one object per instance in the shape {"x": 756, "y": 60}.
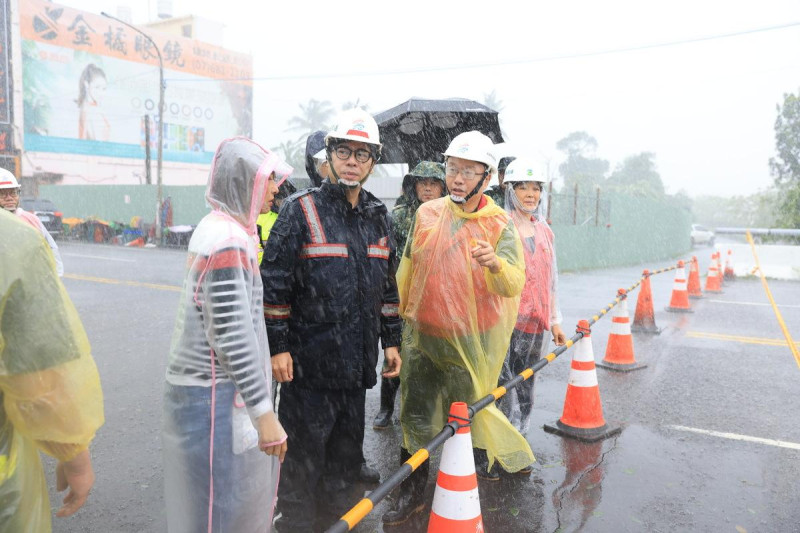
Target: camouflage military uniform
{"x": 402, "y": 217}
{"x": 407, "y": 205}
{"x": 497, "y": 194}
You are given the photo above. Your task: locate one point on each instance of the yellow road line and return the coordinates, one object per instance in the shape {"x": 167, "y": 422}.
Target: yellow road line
{"x": 110, "y": 281}
{"x": 789, "y": 341}
{"x": 736, "y": 338}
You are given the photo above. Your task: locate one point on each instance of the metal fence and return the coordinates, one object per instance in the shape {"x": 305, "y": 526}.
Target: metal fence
{"x": 579, "y": 209}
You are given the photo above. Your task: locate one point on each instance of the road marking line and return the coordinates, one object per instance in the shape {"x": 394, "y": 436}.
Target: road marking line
{"x": 736, "y": 436}
{"x": 99, "y": 257}
{"x": 789, "y": 341}
{"x": 737, "y": 338}
{"x": 750, "y": 303}
{"x": 160, "y": 287}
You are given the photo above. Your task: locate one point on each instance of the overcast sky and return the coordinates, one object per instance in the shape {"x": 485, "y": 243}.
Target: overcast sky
{"x": 705, "y": 108}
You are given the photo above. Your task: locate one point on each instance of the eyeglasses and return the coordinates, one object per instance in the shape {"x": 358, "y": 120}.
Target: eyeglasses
{"x": 9, "y": 193}
{"x": 468, "y": 173}
{"x": 344, "y": 153}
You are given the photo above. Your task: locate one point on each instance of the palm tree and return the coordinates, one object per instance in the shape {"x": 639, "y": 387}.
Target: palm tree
{"x": 294, "y": 153}
{"x": 314, "y": 116}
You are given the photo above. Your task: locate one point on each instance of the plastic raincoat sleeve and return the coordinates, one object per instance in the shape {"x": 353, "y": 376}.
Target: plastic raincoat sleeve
{"x": 510, "y": 280}
{"x": 391, "y": 323}
{"x": 277, "y": 273}
{"x": 48, "y": 379}
{"x": 229, "y": 325}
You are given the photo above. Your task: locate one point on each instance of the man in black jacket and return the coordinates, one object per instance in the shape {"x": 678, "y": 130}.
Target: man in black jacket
{"x": 329, "y": 294}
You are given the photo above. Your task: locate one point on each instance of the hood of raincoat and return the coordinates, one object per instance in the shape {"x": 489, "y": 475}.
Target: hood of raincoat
{"x": 238, "y": 180}
{"x": 314, "y": 143}
{"x": 513, "y": 205}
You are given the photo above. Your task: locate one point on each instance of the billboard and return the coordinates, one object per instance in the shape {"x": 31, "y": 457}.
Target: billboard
{"x": 89, "y": 81}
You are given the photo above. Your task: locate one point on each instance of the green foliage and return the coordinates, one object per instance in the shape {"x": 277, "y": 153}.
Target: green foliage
{"x": 315, "y": 115}
{"x": 294, "y": 153}
{"x": 754, "y": 211}
{"x": 581, "y": 167}
{"x": 785, "y": 166}
{"x": 637, "y": 176}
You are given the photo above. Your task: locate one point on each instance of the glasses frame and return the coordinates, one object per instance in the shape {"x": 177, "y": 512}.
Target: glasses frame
{"x": 11, "y": 193}
{"x": 463, "y": 172}
{"x": 354, "y": 153}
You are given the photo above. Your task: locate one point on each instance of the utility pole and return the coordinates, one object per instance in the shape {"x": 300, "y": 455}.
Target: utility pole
{"x": 161, "y": 88}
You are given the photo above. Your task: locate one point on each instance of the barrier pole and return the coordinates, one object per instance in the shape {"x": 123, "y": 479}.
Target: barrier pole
{"x": 365, "y": 506}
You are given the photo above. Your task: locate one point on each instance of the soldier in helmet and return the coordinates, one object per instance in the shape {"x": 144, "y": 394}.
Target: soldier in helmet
{"x": 425, "y": 182}
{"x": 329, "y": 296}
{"x": 498, "y": 192}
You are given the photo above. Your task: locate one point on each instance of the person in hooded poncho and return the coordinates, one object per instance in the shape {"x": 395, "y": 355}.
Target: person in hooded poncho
{"x": 218, "y": 415}
{"x": 459, "y": 281}
{"x": 539, "y": 315}
{"x": 50, "y": 397}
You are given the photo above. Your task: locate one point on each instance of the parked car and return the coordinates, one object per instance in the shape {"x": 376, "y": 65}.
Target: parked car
{"x": 702, "y": 235}
{"x": 46, "y": 211}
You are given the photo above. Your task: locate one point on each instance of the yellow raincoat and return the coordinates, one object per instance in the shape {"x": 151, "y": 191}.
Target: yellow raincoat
{"x": 49, "y": 387}
{"x": 458, "y": 322}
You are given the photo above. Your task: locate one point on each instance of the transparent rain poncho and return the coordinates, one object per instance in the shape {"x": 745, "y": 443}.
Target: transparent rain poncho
{"x": 538, "y": 308}
{"x": 458, "y": 321}
{"x": 218, "y": 373}
{"x": 49, "y": 385}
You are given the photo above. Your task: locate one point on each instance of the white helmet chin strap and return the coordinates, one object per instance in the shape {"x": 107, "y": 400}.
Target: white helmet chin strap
{"x": 457, "y": 199}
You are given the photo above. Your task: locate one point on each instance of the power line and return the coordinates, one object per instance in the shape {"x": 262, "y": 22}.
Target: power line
{"x": 559, "y": 57}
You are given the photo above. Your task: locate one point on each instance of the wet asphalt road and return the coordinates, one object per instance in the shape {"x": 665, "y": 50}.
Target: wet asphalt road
{"x": 720, "y": 369}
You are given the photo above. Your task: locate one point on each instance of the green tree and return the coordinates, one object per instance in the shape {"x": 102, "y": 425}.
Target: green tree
{"x": 785, "y": 166}
{"x": 581, "y": 166}
{"x": 294, "y": 153}
{"x": 315, "y": 115}
{"x": 637, "y": 176}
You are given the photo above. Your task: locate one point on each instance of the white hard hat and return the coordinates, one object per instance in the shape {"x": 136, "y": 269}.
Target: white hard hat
{"x": 524, "y": 169}
{"x": 7, "y": 180}
{"x": 320, "y": 156}
{"x": 355, "y": 125}
{"x": 473, "y": 146}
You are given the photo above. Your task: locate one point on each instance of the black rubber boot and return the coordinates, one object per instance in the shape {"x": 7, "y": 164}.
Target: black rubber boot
{"x": 389, "y": 386}
{"x": 411, "y": 497}
{"x": 482, "y": 466}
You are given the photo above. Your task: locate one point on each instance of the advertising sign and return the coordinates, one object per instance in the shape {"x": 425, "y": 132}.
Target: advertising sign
{"x": 89, "y": 81}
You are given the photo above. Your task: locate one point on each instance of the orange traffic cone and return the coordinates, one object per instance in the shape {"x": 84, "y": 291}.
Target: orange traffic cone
{"x": 582, "y": 417}
{"x": 619, "y": 350}
{"x": 713, "y": 280}
{"x": 644, "y": 320}
{"x": 679, "y": 303}
{"x": 456, "y": 506}
{"x": 729, "y": 273}
{"x": 720, "y": 270}
{"x": 694, "y": 280}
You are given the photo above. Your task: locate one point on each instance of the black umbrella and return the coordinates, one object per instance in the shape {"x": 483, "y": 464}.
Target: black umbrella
{"x": 420, "y": 129}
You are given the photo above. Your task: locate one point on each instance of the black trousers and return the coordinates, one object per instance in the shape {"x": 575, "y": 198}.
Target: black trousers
{"x": 326, "y": 432}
